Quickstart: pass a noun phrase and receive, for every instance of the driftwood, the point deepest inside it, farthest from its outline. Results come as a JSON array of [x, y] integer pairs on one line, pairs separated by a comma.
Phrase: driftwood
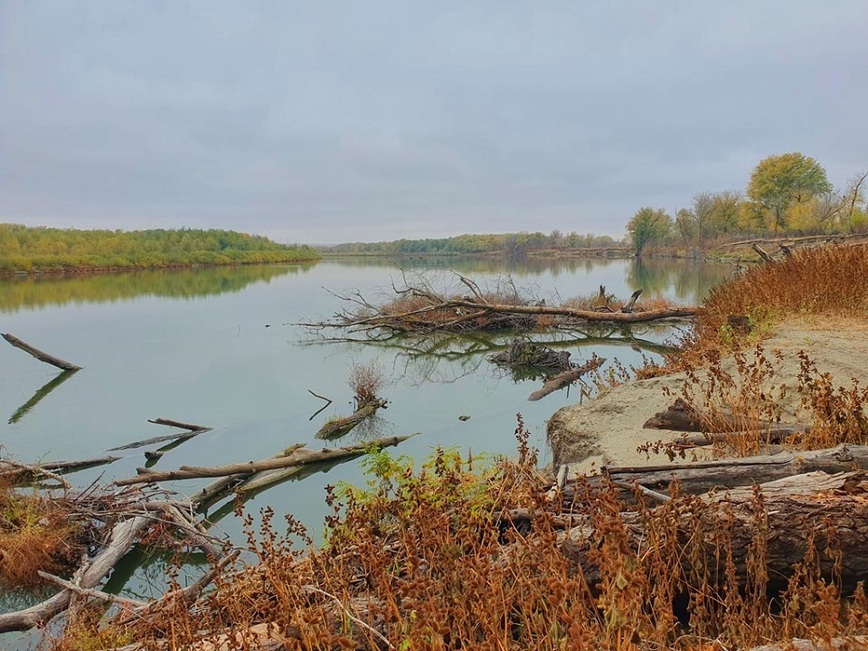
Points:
[[796, 512], [12, 471], [628, 307], [219, 488], [762, 252], [41, 356], [177, 423], [566, 378], [338, 427], [122, 538], [681, 417], [417, 308], [192, 430], [298, 457], [724, 474]]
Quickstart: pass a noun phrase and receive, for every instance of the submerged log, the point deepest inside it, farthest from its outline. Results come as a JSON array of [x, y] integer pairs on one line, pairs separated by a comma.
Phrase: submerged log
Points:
[[787, 516], [340, 426], [298, 457], [566, 378], [41, 356], [10, 471]]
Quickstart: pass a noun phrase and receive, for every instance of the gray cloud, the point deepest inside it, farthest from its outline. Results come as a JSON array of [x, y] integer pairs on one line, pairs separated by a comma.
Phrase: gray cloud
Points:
[[333, 121]]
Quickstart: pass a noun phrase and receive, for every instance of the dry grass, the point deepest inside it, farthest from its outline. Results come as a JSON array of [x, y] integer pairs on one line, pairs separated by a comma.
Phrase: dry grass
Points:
[[366, 381], [36, 533]]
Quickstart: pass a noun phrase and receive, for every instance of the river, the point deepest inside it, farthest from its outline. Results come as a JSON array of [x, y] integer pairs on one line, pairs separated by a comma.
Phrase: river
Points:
[[217, 347]]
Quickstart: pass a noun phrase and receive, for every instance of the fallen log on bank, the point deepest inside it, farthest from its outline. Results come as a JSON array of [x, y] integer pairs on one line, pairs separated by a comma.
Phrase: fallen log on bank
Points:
[[41, 356], [298, 457], [681, 417], [725, 474], [784, 518], [566, 378]]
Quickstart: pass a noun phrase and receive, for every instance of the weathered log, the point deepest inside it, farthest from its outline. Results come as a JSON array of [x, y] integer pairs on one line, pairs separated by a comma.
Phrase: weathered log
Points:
[[723, 474], [11, 471], [219, 488], [340, 426], [298, 457], [566, 378], [682, 417], [177, 423], [762, 253], [122, 538], [192, 430], [41, 356], [828, 511], [628, 307]]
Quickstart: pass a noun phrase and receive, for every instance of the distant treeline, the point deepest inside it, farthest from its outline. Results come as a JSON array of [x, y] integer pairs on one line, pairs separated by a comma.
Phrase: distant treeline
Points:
[[503, 243], [24, 248], [787, 195]]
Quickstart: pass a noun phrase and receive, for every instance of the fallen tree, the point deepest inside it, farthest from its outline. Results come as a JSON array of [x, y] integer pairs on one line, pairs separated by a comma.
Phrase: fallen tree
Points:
[[417, 307], [338, 427], [298, 457]]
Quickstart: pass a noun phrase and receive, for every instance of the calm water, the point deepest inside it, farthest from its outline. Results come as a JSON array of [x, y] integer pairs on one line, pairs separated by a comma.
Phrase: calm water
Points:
[[215, 347]]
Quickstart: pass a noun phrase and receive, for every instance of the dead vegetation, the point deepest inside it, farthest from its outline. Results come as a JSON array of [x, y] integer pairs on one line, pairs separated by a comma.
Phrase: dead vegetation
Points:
[[827, 281], [458, 556]]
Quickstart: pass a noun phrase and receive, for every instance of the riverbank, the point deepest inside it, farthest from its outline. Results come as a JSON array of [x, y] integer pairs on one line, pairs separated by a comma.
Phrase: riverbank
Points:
[[608, 430], [25, 249]]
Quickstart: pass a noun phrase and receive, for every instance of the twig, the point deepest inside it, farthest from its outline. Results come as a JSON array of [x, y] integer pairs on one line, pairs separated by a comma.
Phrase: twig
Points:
[[91, 592], [37, 470], [380, 636], [320, 410]]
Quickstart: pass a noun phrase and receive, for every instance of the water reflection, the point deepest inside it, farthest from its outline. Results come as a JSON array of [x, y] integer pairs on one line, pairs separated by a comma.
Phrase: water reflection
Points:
[[689, 280], [35, 291], [41, 392], [448, 357]]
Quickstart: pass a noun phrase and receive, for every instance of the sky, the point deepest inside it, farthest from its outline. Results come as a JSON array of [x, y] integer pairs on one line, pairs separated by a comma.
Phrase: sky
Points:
[[325, 122]]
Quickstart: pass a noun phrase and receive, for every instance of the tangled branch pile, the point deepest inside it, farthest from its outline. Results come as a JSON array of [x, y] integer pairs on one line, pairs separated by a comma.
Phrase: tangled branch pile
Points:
[[418, 308]]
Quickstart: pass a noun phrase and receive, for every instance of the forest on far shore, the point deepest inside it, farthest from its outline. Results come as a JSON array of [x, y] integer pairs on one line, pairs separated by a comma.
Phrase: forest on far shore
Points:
[[787, 195], [27, 248]]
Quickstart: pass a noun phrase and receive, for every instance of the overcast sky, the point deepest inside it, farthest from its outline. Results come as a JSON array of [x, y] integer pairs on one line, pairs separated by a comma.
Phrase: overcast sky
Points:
[[326, 122]]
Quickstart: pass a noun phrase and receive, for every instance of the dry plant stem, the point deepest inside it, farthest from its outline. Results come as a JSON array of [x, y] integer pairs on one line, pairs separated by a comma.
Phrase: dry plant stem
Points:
[[122, 538], [41, 356], [346, 611]]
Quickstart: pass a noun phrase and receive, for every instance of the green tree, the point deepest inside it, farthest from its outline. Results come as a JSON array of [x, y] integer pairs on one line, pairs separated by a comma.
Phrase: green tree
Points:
[[780, 182], [648, 226]]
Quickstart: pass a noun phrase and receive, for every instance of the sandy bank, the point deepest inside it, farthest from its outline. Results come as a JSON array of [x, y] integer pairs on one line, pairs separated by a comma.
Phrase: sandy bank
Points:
[[608, 429]]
